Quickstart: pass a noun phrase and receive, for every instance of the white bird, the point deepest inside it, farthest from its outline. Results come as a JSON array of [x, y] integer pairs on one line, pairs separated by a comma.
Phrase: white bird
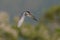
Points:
[[26, 13]]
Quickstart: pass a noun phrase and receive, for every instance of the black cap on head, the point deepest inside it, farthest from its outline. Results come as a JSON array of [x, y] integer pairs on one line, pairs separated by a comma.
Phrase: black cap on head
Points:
[[28, 11]]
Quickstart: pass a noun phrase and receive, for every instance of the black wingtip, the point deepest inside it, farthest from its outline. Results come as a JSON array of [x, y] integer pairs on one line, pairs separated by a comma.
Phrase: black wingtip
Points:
[[35, 19]]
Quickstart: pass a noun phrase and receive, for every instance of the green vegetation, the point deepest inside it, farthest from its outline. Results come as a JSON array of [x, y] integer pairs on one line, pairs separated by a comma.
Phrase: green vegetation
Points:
[[48, 27]]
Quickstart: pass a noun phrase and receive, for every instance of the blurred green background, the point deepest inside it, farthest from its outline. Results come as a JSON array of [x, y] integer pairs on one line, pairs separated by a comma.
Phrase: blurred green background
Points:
[[46, 28]]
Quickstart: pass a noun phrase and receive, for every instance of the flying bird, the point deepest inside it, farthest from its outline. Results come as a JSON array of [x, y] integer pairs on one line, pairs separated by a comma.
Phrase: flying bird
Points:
[[21, 20]]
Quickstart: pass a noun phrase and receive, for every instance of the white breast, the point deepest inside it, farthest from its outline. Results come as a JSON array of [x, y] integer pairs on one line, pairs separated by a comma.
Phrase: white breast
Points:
[[21, 21]]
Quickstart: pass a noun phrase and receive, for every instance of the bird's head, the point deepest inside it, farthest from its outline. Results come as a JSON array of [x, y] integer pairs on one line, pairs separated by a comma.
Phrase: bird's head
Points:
[[28, 13]]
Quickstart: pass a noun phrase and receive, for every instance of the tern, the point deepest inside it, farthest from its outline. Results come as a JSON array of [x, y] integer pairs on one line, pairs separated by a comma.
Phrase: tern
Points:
[[25, 13]]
